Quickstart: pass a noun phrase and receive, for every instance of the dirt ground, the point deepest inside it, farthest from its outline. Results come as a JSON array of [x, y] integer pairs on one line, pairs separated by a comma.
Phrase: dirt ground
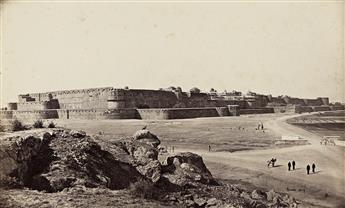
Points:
[[325, 188]]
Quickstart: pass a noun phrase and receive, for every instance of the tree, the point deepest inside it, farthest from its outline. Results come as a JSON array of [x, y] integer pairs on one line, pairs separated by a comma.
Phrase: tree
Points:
[[213, 90], [194, 90], [178, 89]]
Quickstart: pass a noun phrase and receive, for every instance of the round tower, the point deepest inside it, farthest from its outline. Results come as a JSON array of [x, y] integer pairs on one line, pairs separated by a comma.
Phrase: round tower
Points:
[[116, 99]]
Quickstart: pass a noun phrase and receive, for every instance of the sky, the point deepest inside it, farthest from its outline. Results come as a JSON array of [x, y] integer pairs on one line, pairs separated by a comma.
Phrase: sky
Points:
[[282, 48]]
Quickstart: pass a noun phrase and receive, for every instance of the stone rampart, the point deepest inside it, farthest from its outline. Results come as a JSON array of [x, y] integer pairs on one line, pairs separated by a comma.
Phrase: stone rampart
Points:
[[6, 114], [321, 108], [256, 111], [35, 114], [303, 109], [177, 113], [38, 105], [337, 108], [223, 111], [98, 114]]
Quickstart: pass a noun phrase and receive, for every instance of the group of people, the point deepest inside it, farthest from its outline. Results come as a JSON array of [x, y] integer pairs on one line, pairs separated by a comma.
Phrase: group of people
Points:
[[293, 163], [313, 167], [293, 166], [260, 126], [326, 141]]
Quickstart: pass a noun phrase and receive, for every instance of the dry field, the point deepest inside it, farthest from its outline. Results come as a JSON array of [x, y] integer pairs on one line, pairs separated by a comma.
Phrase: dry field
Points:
[[223, 134]]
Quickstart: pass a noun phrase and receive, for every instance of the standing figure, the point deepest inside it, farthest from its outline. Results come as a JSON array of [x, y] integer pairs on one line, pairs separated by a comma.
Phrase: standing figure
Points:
[[209, 148], [293, 165], [173, 149], [262, 126], [289, 166], [313, 166], [273, 161], [308, 169]]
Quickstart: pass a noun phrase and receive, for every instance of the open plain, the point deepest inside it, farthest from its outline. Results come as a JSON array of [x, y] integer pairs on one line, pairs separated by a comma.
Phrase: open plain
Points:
[[239, 152]]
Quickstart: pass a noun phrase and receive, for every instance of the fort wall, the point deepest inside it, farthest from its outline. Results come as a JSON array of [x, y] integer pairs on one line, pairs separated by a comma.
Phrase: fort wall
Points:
[[337, 107], [321, 108], [177, 113], [256, 111], [38, 105], [303, 109], [6, 114], [98, 114]]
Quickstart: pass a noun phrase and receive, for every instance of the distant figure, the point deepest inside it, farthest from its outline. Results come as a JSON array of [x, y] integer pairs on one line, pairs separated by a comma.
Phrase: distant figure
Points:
[[144, 127], [173, 149], [209, 148], [271, 162], [262, 126], [289, 166], [293, 165], [313, 166], [308, 169]]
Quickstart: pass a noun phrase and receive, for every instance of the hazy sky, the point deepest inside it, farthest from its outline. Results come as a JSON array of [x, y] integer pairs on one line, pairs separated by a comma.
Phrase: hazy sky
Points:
[[278, 48]]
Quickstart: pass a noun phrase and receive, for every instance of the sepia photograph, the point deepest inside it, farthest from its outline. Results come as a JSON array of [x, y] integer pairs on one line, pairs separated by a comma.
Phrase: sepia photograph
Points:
[[172, 103]]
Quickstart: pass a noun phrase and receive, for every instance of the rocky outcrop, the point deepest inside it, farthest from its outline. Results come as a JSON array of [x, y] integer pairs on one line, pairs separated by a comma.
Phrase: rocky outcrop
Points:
[[186, 168], [64, 159]]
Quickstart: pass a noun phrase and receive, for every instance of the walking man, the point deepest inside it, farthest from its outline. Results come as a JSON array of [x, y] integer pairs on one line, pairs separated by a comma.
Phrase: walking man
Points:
[[289, 166], [209, 148], [308, 169], [313, 166], [293, 165]]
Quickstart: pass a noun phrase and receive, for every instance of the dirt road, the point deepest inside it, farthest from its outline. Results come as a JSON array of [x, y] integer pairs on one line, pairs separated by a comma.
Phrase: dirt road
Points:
[[325, 188]]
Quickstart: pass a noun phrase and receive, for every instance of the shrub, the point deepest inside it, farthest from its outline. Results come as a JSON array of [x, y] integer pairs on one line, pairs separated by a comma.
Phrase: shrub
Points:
[[144, 189], [51, 125], [2, 128], [17, 125], [38, 124]]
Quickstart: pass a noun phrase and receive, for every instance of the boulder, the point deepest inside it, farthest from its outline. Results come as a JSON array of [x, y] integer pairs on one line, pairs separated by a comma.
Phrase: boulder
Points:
[[200, 202], [212, 202], [146, 137], [77, 134], [270, 195], [257, 194], [186, 168], [142, 156]]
